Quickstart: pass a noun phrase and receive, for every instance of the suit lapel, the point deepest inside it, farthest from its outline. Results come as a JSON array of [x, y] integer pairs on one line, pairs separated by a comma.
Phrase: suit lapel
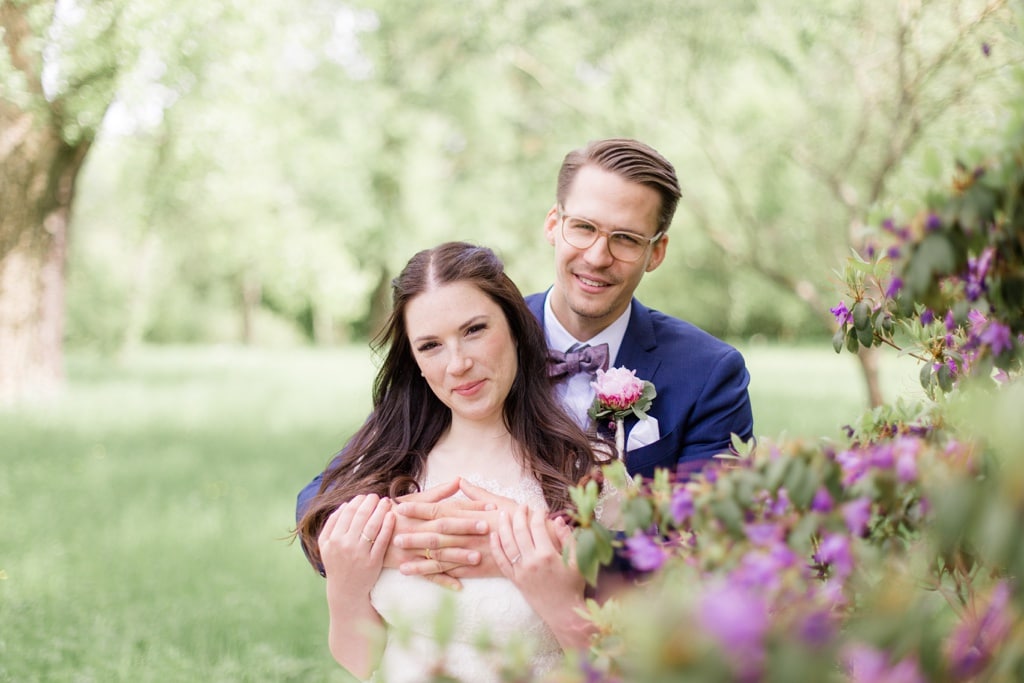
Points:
[[639, 345]]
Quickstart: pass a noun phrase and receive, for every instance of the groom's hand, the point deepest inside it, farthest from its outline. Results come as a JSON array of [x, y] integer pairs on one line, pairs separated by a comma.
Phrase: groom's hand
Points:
[[435, 533], [449, 537]]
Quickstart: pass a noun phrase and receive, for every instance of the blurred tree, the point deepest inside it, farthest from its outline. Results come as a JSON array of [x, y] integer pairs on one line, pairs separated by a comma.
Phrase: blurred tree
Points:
[[810, 119], [279, 162], [58, 73]]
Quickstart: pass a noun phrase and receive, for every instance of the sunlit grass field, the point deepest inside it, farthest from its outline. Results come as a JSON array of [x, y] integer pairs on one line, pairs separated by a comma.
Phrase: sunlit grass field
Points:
[[143, 517]]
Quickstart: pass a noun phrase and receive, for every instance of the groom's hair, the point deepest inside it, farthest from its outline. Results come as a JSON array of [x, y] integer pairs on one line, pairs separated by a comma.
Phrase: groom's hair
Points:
[[631, 160], [387, 455]]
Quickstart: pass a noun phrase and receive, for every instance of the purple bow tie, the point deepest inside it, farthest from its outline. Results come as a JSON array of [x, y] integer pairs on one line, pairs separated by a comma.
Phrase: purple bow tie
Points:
[[583, 359]]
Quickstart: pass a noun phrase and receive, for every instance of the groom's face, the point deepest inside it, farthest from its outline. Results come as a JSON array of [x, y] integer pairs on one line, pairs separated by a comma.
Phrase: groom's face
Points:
[[592, 288]]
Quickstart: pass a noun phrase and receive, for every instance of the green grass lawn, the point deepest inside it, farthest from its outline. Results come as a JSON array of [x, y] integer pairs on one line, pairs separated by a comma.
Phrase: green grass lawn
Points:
[[142, 516]]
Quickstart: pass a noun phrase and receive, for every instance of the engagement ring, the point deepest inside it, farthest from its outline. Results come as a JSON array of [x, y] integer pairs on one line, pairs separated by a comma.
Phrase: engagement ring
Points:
[[368, 540], [427, 554], [517, 558]]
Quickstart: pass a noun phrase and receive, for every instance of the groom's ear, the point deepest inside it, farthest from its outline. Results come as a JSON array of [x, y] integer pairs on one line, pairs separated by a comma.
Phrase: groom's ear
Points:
[[551, 224], [657, 254]]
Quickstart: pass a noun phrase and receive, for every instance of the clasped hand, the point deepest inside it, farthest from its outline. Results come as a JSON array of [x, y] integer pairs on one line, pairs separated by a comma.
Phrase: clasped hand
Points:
[[444, 539]]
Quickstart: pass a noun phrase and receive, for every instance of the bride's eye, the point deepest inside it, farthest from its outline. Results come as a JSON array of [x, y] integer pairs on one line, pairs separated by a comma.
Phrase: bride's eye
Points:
[[479, 327], [426, 346]]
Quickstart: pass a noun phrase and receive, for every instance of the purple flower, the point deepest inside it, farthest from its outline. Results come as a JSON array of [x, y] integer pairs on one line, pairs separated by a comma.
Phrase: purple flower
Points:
[[888, 225], [996, 336], [842, 314], [644, 554], [949, 321], [761, 571], [973, 290], [834, 552], [817, 628], [822, 501], [894, 287], [780, 505], [857, 514], [880, 456], [976, 639], [681, 506], [852, 464], [893, 252], [906, 459], [986, 49], [830, 592], [738, 619], [933, 222], [870, 250], [927, 317], [593, 674], [764, 534], [869, 665]]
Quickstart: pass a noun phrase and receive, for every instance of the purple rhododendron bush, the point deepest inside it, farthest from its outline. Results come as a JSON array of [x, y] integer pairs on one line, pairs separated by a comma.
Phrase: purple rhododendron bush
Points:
[[897, 555]]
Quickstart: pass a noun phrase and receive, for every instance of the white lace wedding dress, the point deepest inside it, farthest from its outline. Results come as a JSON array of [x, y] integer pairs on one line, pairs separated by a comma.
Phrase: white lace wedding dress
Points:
[[488, 619]]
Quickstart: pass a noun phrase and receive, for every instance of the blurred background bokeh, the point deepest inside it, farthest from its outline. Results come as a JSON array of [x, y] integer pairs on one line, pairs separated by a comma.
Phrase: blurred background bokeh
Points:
[[202, 203]]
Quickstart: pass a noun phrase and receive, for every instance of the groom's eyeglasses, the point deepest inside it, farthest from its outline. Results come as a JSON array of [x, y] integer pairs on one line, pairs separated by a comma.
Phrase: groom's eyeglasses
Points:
[[622, 244]]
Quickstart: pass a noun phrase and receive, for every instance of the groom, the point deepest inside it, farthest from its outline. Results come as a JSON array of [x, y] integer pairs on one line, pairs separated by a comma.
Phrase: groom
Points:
[[609, 225]]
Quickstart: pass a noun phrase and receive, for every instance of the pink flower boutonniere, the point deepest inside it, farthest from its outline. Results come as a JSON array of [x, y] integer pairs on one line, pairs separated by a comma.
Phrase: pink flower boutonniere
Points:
[[620, 393]]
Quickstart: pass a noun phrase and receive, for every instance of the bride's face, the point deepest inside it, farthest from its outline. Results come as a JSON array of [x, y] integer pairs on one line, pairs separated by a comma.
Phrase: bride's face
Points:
[[462, 343]]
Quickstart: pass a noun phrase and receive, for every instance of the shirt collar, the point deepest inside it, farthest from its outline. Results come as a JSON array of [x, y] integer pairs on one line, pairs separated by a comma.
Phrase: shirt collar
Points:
[[559, 338]]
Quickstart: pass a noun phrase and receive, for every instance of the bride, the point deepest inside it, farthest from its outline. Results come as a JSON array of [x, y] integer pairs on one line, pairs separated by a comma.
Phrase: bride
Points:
[[461, 402]]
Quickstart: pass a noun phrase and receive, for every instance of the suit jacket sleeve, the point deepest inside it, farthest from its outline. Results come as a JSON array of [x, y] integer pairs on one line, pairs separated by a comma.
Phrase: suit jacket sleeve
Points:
[[306, 496]]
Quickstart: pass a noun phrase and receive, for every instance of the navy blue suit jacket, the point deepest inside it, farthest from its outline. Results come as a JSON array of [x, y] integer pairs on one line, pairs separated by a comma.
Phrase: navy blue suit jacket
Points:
[[702, 392], [701, 383]]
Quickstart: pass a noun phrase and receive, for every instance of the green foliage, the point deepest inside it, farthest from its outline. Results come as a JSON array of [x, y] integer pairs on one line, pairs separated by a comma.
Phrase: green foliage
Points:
[[146, 517], [949, 285], [312, 148], [148, 510], [894, 554]]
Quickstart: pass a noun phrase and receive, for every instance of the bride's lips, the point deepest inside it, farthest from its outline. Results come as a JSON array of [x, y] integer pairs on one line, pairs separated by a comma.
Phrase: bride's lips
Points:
[[469, 388]]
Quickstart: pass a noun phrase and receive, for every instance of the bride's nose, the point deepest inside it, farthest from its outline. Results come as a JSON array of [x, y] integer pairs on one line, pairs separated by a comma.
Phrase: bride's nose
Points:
[[459, 362]]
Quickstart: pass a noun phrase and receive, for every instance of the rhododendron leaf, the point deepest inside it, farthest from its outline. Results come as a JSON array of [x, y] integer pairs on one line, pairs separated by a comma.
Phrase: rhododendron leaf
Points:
[[861, 315], [444, 621], [800, 484], [926, 376], [865, 335], [586, 555], [730, 514], [584, 498], [605, 544], [944, 377], [933, 256], [637, 513], [838, 338], [851, 340], [777, 470]]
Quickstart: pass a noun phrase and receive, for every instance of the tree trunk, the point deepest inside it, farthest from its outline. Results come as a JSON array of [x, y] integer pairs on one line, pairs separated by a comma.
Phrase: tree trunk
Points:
[[251, 295], [36, 190], [869, 368]]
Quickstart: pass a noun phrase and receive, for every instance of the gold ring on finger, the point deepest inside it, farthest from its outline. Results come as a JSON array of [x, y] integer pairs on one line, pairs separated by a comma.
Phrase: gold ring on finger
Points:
[[428, 555], [364, 537]]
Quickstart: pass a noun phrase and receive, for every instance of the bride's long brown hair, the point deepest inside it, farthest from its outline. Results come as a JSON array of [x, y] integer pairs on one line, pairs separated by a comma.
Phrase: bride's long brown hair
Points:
[[387, 454]]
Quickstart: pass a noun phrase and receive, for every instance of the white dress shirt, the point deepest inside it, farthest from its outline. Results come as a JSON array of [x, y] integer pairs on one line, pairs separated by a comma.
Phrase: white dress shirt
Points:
[[575, 392]]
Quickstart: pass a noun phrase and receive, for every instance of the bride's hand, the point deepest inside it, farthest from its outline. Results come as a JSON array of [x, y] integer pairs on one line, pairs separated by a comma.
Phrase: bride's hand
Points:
[[528, 549], [353, 543]]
